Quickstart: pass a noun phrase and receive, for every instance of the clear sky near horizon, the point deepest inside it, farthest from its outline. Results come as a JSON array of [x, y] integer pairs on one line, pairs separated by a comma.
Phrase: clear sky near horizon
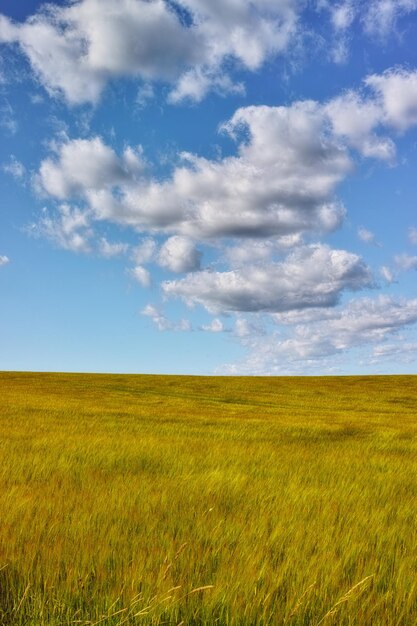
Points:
[[208, 186]]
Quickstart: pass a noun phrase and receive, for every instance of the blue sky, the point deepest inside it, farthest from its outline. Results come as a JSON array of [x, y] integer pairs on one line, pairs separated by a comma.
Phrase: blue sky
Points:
[[208, 187]]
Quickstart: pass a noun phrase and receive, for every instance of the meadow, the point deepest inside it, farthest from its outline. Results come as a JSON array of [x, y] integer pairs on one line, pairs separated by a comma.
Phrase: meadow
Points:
[[207, 501]]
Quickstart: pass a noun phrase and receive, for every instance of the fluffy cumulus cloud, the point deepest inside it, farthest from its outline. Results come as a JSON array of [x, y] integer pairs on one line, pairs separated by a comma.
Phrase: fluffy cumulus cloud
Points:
[[86, 165], [397, 95], [355, 118], [311, 276], [279, 184], [179, 254], [4, 260], [309, 337], [74, 49], [77, 47]]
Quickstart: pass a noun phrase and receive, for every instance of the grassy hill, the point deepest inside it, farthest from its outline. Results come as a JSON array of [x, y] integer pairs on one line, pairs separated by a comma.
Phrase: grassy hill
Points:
[[192, 500]]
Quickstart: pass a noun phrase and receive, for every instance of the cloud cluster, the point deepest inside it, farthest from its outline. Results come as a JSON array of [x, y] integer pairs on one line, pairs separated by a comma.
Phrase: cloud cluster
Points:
[[280, 184], [76, 48], [262, 202], [315, 335], [311, 276]]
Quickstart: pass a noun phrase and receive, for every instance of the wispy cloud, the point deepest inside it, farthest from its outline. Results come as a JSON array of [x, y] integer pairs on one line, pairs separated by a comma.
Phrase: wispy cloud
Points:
[[162, 323], [15, 168], [304, 340]]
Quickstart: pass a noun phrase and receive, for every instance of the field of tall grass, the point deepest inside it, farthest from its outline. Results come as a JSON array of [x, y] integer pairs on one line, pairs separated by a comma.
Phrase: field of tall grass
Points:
[[217, 501]]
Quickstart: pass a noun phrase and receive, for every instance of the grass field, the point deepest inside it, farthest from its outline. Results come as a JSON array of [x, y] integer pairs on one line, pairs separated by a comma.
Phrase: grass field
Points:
[[180, 500]]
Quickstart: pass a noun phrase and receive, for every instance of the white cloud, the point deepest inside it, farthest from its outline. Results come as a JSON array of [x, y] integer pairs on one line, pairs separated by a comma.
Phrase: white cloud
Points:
[[216, 326], [392, 102], [250, 251], [75, 49], [15, 168], [339, 52], [400, 351], [355, 119], [4, 260], [396, 91], [245, 328], [378, 18], [141, 275], [85, 165], [406, 262], [241, 252], [162, 322], [366, 235], [179, 254], [387, 274], [381, 16], [7, 116], [276, 191], [412, 235], [111, 249], [281, 183], [359, 324], [196, 83], [311, 276], [342, 15], [145, 251], [144, 95], [68, 229]]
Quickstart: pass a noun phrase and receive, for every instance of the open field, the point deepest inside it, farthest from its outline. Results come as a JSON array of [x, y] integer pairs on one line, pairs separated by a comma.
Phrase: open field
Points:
[[180, 500]]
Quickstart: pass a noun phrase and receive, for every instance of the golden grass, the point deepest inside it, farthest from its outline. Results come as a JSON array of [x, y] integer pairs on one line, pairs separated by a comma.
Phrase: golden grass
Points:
[[229, 501]]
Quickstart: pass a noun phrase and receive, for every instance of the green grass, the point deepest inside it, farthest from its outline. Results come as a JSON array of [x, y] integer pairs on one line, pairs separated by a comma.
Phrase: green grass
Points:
[[287, 500]]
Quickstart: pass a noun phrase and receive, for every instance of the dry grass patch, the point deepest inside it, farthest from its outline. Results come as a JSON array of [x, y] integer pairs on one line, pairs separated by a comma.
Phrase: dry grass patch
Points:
[[229, 501]]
